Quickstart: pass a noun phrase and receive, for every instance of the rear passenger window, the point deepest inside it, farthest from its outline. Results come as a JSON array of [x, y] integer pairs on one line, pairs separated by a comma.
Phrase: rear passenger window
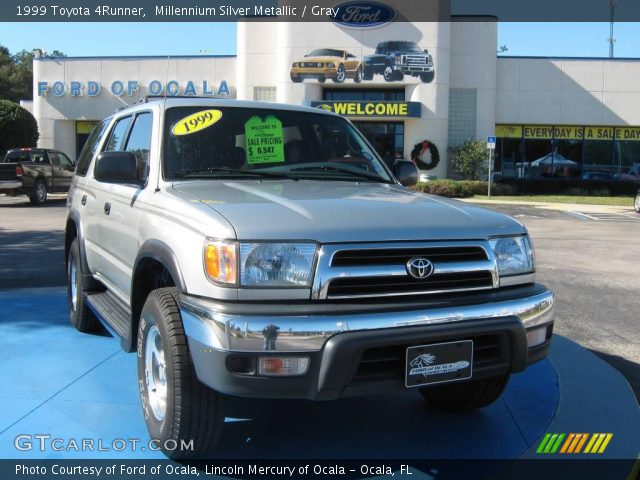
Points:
[[118, 134], [139, 142], [90, 148]]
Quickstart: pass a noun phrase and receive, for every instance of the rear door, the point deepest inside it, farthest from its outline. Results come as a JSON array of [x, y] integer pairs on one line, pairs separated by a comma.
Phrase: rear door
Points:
[[59, 182]]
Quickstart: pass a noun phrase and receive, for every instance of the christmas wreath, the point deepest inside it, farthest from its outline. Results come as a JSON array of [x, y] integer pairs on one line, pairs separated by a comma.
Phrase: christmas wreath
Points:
[[425, 155]]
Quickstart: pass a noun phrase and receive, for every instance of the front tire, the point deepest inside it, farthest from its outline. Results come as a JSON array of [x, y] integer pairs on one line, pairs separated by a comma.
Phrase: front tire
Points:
[[388, 73], [636, 203], [367, 74], [177, 408], [427, 77], [465, 396], [341, 74], [81, 317], [39, 195]]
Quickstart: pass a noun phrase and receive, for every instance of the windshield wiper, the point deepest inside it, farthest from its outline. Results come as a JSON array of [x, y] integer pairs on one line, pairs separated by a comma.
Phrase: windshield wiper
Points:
[[335, 168], [213, 171]]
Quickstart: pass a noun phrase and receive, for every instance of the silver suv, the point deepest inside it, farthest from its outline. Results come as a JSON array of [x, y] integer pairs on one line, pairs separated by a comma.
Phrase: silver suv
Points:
[[259, 250]]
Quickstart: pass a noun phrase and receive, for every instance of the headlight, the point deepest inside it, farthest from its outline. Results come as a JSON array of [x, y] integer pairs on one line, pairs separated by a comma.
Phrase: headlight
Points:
[[514, 255], [331, 65], [276, 264]]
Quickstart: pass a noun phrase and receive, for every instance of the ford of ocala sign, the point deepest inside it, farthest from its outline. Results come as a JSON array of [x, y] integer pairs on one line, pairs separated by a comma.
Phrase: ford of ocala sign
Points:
[[363, 14]]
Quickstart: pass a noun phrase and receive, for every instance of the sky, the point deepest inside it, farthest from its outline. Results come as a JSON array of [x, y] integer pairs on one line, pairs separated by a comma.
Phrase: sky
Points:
[[137, 39]]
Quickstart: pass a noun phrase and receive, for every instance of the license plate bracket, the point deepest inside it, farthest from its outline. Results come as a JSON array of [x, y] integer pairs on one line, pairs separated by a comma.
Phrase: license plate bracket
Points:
[[439, 363]]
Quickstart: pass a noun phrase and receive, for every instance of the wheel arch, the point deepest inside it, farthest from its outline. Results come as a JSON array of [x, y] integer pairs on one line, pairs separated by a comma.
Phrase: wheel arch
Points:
[[156, 266]]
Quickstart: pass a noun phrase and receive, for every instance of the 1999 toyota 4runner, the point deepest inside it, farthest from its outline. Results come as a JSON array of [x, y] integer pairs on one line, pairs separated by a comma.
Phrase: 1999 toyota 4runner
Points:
[[257, 250]]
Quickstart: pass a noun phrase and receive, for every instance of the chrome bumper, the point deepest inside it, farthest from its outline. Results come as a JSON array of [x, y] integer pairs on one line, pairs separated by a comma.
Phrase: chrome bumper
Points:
[[10, 184], [244, 333]]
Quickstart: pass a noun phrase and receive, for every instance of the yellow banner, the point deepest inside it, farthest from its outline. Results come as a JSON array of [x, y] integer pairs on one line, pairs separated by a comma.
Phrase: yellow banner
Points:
[[568, 133], [598, 133], [538, 132], [509, 131], [84, 126], [628, 133]]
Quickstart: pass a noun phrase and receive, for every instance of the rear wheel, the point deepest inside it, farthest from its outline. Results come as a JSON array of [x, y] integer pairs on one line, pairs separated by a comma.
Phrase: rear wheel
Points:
[[465, 396], [39, 194], [636, 203], [81, 317], [178, 409], [357, 78]]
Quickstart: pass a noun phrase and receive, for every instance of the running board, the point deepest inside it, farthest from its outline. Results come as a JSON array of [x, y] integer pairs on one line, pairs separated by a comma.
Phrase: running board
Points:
[[112, 312]]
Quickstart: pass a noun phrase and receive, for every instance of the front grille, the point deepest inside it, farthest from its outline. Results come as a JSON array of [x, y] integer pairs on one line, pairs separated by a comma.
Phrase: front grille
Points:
[[415, 60], [368, 270], [388, 362], [407, 285], [358, 258]]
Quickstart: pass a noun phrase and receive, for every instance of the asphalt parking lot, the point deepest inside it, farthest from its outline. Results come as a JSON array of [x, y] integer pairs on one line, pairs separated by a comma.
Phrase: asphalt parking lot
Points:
[[590, 260]]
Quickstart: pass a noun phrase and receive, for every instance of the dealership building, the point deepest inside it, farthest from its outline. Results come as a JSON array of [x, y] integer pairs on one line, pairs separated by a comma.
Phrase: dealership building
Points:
[[407, 86]]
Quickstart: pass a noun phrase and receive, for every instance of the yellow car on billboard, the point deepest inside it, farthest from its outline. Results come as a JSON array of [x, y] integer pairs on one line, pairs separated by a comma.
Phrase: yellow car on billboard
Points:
[[327, 63]]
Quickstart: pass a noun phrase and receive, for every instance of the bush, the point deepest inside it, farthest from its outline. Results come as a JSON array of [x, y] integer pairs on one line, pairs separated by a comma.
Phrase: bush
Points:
[[463, 188], [470, 160], [18, 128]]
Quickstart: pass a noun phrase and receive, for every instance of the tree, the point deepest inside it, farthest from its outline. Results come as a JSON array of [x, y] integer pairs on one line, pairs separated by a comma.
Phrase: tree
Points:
[[470, 160], [18, 128], [16, 73]]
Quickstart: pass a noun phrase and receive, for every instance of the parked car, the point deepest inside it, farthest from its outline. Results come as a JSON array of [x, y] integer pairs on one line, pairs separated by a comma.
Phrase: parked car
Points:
[[632, 173], [327, 63], [596, 176], [35, 172], [393, 60], [247, 249]]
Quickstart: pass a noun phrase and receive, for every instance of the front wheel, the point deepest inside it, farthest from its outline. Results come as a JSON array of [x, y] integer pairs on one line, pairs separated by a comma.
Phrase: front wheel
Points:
[[636, 203], [184, 416], [465, 396], [81, 317], [39, 194], [340, 75], [427, 77]]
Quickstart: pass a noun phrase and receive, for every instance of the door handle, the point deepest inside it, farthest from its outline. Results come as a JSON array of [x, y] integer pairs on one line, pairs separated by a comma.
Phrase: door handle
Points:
[[107, 208], [83, 200]]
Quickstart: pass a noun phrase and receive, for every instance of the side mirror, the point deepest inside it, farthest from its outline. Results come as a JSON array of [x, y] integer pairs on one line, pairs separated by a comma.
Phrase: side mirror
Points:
[[117, 167], [406, 172]]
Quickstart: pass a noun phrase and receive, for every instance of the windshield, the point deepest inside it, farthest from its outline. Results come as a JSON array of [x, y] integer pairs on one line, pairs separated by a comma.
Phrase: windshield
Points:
[[404, 46], [326, 52], [261, 142]]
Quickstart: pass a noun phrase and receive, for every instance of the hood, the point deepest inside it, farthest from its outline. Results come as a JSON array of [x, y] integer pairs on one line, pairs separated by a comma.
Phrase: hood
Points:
[[331, 211]]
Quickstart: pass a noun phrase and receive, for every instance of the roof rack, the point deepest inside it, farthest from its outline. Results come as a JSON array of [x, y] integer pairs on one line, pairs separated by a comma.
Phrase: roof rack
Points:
[[150, 98]]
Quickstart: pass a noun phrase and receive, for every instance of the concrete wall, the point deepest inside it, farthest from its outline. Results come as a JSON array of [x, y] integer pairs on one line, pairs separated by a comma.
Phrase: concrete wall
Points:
[[473, 66], [568, 91]]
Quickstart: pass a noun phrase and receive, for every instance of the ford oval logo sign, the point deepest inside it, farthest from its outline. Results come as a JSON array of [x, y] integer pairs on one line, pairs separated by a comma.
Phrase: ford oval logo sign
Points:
[[363, 14]]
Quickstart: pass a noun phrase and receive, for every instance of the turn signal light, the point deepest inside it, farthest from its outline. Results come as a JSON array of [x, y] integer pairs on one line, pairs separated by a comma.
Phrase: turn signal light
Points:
[[283, 366], [536, 337], [220, 262]]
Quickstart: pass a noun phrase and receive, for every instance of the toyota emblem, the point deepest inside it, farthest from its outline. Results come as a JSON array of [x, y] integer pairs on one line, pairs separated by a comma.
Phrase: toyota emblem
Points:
[[419, 268]]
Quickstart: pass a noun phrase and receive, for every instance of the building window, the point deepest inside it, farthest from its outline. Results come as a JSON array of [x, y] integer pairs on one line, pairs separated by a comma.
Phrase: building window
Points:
[[386, 137], [264, 94], [462, 115], [364, 95], [568, 151]]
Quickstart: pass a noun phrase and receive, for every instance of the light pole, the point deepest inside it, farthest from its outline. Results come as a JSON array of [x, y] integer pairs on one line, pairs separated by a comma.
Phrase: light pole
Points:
[[612, 10]]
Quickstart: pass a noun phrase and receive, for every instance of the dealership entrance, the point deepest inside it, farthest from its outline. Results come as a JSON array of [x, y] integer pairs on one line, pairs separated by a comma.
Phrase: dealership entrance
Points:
[[386, 137]]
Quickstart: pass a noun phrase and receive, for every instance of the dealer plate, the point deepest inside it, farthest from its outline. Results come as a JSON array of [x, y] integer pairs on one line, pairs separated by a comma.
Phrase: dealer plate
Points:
[[439, 363]]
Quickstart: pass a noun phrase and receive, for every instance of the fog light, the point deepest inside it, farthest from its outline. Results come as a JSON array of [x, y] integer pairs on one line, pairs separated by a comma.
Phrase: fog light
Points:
[[283, 366], [536, 337]]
